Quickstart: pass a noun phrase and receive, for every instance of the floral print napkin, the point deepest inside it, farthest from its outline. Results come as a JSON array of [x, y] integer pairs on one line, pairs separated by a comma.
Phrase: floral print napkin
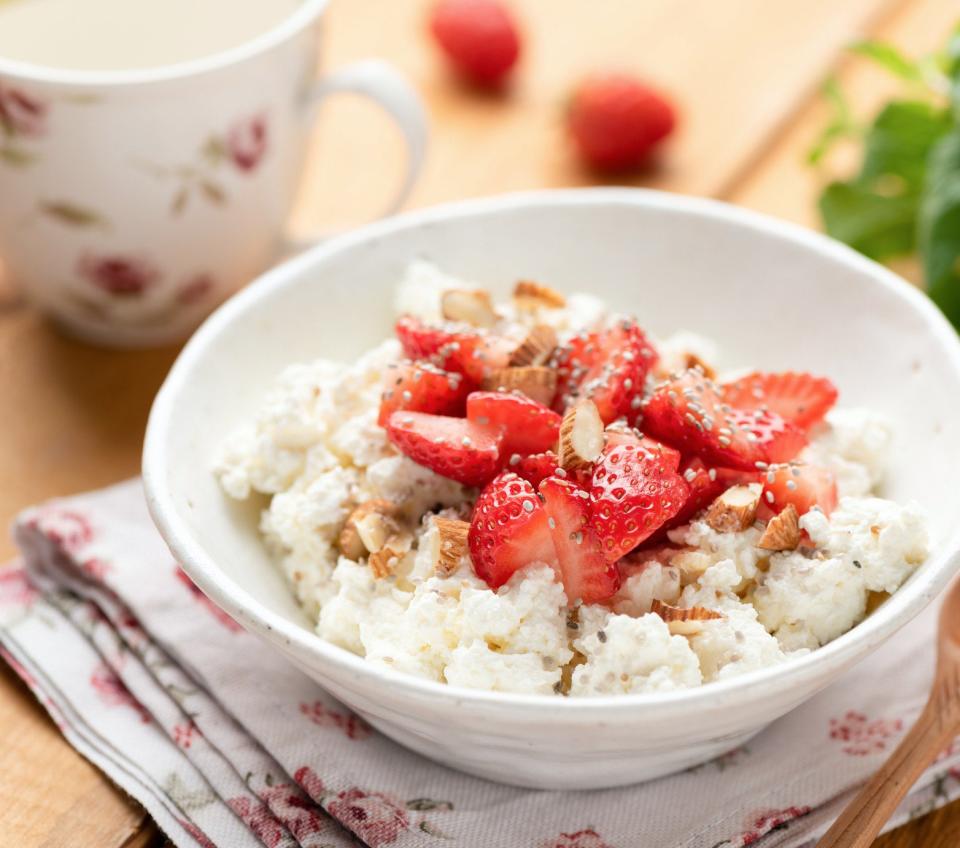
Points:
[[226, 744]]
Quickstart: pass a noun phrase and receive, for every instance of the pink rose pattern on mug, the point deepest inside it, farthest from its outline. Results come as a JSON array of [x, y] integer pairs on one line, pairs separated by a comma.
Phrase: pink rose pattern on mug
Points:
[[128, 277]]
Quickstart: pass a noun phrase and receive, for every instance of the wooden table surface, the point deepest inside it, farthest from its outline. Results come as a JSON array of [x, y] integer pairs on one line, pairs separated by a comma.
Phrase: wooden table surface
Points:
[[746, 74]]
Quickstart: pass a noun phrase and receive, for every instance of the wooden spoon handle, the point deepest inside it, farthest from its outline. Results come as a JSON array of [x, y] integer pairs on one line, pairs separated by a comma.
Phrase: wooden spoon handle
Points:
[[865, 815]]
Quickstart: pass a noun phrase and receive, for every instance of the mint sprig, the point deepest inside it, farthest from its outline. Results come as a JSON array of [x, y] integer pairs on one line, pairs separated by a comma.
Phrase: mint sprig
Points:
[[905, 197]]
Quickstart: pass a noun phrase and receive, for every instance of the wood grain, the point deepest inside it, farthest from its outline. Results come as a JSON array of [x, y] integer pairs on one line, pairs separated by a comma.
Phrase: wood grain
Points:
[[73, 416]]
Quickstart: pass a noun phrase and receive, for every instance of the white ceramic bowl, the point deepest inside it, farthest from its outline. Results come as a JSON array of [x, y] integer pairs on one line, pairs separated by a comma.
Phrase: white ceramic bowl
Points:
[[773, 295]]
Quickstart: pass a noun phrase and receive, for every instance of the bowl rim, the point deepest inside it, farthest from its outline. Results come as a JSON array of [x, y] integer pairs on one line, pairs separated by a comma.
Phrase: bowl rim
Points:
[[809, 670]]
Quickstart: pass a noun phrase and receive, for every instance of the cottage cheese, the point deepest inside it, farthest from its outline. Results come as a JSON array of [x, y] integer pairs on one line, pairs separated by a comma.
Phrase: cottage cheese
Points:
[[315, 451]]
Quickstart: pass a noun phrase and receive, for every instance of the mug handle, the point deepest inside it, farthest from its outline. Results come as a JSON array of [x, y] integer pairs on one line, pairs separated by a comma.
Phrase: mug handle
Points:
[[383, 84]]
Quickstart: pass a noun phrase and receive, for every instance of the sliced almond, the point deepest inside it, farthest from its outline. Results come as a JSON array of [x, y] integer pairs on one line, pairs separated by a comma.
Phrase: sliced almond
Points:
[[782, 532], [735, 509], [684, 621], [536, 382], [472, 306], [530, 295], [581, 436], [536, 348], [351, 544], [453, 544]]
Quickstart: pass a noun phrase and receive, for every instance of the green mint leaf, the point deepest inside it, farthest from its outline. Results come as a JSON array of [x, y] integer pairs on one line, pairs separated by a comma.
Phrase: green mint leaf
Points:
[[890, 58], [841, 124], [879, 226], [939, 226], [898, 143]]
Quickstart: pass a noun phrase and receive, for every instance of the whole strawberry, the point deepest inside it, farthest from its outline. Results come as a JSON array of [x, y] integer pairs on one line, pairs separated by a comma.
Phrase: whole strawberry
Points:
[[479, 37], [617, 121]]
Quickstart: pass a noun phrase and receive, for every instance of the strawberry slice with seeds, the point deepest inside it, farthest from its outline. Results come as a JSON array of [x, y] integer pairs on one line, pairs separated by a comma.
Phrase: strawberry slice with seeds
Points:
[[799, 398], [418, 340], [452, 447], [804, 486], [528, 426], [635, 491], [508, 530], [584, 571], [421, 387], [608, 366], [630, 436], [451, 348], [534, 468], [689, 413]]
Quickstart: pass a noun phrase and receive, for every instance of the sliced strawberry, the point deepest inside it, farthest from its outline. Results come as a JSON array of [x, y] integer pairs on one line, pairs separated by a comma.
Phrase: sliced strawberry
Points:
[[635, 491], [688, 413], [509, 530], [631, 436], [799, 398], [804, 486], [621, 435], [421, 387], [534, 468], [585, 572], [451, 348], [453, 447], [419, 340], [528, 426], [609, 367]]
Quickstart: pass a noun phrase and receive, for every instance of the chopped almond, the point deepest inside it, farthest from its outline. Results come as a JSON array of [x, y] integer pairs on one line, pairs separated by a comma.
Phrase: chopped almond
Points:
[[530, 295], [384, 562], [691, 564], [735, 509], [875, 599], [684, 621], [691, 360], [581, 436], [782, 532], [472, 306], [453, 544], [374, 529], [536, 348], [536, 382], [352, 545]]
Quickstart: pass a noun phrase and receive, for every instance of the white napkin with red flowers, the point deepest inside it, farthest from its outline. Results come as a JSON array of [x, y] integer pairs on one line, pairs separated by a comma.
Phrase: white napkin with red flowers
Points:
[[226, 744]]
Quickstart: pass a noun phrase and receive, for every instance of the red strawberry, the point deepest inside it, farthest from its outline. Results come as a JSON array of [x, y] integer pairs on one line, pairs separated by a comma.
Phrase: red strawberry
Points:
[[804, 486], [584, 570], [688, 413], [422, 388], [528, 426], [453, 447], [419, 340], [534, 468], [509, 530], [617, 121], [801, 399], [609, 367], [467, 352], [479, 37], [630, 436], [634, 491]]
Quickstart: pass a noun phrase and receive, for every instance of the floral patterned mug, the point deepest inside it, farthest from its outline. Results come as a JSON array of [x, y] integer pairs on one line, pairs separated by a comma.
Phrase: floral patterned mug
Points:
[[132, 202]]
